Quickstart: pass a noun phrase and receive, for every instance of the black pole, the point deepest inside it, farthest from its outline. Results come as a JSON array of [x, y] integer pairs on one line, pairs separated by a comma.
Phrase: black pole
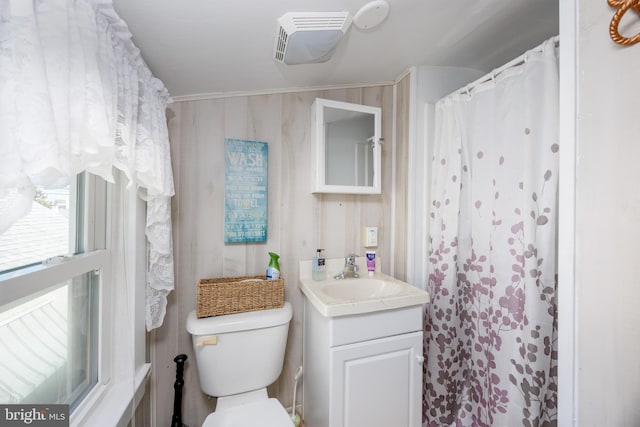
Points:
[[176, 421]]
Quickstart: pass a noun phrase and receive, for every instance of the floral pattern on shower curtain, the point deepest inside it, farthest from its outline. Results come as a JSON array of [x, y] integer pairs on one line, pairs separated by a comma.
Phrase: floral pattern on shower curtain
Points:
[[491, 326]]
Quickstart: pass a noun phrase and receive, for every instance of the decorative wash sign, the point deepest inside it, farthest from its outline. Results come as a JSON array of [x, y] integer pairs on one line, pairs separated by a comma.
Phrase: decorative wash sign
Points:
[[245, 195]]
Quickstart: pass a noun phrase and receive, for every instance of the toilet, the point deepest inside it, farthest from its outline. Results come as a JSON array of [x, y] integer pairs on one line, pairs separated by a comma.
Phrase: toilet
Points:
[[237, 357]]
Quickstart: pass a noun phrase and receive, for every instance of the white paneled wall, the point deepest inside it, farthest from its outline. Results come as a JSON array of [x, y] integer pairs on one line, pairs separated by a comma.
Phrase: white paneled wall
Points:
[[607, 223], [298, 221]]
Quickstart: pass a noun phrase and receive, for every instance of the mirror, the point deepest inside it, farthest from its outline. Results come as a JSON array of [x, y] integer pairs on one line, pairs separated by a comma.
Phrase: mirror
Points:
[[347, 148]]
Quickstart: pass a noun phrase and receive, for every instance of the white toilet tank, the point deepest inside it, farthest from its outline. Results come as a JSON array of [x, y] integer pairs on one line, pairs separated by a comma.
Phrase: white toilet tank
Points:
[[241, 352]]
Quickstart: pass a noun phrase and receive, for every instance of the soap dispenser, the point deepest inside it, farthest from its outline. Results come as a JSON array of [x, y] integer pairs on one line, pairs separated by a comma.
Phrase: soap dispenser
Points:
[[318, 269]]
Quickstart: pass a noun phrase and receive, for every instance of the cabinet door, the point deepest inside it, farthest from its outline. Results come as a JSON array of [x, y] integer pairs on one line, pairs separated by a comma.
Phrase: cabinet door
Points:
[[377, 383]]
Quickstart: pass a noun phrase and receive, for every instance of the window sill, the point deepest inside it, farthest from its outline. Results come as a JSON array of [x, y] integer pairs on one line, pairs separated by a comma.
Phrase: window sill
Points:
[[112, 404]]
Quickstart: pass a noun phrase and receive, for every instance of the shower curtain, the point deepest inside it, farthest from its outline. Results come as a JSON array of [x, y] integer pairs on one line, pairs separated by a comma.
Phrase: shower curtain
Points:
[[491, 326]]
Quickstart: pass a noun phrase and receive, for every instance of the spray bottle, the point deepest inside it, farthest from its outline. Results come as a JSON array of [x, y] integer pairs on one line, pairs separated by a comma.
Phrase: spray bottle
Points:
[[273, 271]]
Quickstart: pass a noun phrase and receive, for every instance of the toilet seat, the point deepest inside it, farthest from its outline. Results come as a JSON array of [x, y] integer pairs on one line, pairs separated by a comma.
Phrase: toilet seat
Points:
[[263, 413]]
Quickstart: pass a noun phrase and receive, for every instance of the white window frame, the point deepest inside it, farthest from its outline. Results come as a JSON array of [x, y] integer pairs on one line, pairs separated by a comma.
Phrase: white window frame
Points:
[[122, 370]]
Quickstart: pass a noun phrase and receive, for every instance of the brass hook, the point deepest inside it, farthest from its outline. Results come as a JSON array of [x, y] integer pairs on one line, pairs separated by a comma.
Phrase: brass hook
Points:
[[623, 6]]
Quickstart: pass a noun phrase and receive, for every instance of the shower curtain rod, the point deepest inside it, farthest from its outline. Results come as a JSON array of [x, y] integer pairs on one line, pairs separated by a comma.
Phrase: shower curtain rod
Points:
[[492, 75]]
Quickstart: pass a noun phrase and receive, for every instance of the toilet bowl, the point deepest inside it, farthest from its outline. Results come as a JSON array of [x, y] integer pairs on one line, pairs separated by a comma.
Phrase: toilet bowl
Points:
[[263, 412], [237, 357]]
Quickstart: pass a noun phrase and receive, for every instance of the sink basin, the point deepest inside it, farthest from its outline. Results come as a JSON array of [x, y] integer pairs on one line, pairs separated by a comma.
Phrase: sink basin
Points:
[[359, 289], [368, 294]]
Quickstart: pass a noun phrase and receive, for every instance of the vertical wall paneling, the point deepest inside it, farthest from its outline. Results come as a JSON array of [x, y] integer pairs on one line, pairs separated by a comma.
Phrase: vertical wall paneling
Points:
[[401, 177], [235, 126], [298, 221]]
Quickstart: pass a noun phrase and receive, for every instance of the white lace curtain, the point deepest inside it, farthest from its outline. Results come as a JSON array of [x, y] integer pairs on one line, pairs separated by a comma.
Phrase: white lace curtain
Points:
[[76, 95]]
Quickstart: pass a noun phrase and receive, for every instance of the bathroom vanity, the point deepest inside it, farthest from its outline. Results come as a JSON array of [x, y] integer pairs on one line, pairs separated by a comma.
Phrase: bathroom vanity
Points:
[[363, 352]]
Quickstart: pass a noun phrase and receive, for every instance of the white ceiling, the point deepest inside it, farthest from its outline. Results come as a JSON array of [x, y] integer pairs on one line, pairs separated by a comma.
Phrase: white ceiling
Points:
[[214, 47]]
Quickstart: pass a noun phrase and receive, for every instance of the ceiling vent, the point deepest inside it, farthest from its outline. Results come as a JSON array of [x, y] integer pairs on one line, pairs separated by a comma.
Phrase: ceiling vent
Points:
[[309, 37]]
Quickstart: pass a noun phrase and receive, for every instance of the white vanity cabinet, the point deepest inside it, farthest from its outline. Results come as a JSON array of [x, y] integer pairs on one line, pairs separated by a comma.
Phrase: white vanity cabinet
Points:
[[363, 370]]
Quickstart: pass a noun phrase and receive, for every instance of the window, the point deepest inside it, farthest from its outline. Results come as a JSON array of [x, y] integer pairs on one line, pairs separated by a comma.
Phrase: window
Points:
[[41, 234], [51, 263]]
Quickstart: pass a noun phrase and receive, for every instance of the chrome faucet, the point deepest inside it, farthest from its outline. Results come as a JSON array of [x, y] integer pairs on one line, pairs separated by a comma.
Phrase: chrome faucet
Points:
[[350, 268]]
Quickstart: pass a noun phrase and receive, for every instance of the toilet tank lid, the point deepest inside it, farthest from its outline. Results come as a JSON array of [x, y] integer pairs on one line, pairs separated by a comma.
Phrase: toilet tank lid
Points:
[[239, 321]]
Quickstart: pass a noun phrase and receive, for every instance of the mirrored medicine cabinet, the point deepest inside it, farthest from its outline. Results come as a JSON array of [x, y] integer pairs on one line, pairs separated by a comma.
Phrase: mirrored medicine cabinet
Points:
[[346, 147]]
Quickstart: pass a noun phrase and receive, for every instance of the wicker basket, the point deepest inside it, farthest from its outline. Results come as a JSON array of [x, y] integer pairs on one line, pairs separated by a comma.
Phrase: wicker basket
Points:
[[238, 294]]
